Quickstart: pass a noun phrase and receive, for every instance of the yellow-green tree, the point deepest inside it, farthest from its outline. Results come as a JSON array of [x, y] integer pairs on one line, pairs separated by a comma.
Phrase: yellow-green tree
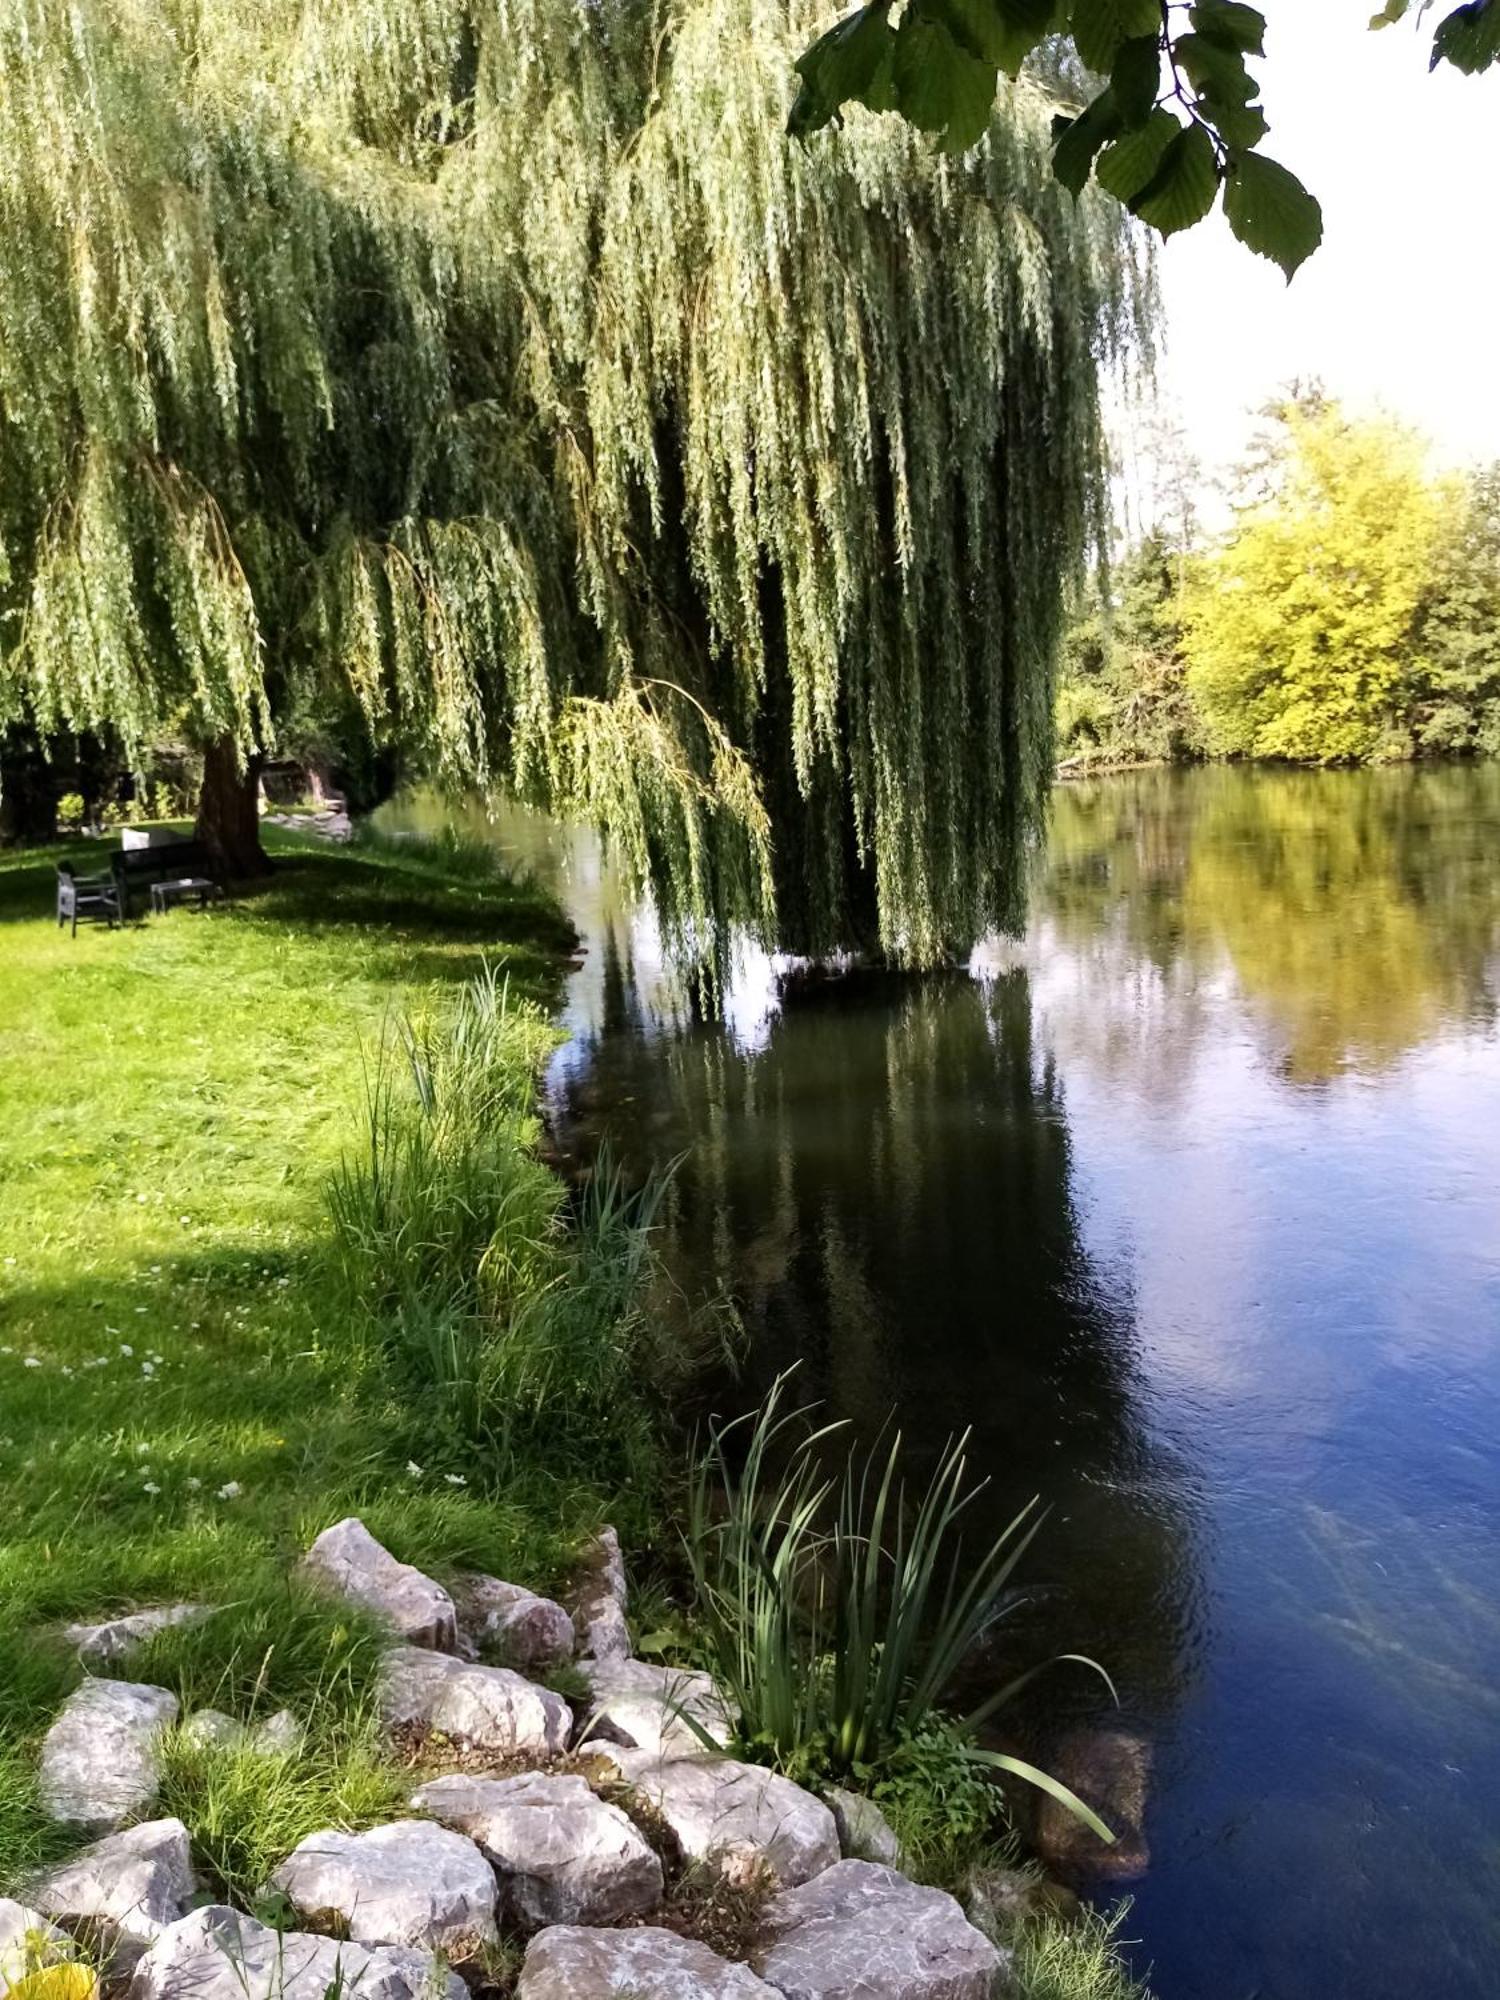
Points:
[[1301, 628]]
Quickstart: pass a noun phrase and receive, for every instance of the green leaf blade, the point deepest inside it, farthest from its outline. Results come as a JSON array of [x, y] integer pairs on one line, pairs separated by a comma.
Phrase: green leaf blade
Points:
[[1185, 185], [1272, 213]]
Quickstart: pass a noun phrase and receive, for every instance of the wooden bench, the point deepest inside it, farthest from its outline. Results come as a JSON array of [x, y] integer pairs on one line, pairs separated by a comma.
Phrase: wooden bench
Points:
[[136, 868]]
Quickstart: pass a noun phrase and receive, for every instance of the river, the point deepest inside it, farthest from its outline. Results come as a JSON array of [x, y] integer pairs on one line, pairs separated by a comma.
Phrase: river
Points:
[[1189, 1204]]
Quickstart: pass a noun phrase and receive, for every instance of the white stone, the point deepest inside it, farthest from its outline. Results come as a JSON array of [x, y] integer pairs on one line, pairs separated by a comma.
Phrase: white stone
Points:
[[27, 1942], [488, 1708], [563, 1856], [511, 1626], [101, 1645], [742, 1819], [865, 1834], [279, 1735], [122, 1892], [348, 1558], [568, 1964], [600, 1596], [408, 1883], [217, 1954], [100, 1757], [861, 1932], [644, 1707]]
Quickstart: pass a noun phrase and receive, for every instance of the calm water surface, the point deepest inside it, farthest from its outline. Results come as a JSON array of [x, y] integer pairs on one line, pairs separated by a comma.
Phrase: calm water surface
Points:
[[1190, 1206]]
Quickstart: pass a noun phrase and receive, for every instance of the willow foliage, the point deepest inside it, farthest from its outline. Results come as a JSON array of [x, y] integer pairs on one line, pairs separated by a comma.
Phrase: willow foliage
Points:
[[503, 361]]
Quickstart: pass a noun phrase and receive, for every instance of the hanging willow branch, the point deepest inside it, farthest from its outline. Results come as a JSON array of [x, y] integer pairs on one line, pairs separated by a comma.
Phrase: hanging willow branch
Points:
[[503, 362]]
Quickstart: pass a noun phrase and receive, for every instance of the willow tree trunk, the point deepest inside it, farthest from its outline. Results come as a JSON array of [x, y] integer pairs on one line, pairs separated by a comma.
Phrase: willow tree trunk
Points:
[[228, 821]]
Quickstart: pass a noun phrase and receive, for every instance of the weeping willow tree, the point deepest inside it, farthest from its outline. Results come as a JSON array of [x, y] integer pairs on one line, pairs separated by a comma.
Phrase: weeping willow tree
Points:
[[502, 366]]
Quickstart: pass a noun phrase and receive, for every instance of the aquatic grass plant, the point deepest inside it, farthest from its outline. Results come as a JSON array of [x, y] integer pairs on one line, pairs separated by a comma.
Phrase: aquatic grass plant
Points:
[[1082, 1959], [837, 1607]]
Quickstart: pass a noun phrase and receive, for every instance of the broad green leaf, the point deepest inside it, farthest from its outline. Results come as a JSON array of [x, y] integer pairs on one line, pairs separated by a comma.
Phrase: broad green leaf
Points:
[[1393, 10], [1469, 38], [940, 86], [1032, 17], [1271, 212], [1216, 71], [845, 63], [1238, 125], [1100, 26], [1184, 186], [1080, 138], [979, 28], [1136, 78], [1231, 24], [1126, 166]]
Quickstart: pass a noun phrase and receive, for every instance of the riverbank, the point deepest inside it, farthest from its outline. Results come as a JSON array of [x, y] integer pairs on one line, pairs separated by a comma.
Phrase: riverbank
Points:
[[194, 1388]]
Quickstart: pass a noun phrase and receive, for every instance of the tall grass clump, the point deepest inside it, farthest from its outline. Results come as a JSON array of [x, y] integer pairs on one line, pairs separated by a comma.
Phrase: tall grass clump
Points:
[[837, 1607], [1081, 1960], [523, 1320]]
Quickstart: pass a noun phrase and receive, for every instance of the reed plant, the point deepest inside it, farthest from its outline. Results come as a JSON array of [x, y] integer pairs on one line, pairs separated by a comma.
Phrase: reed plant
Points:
[[837, 1606]]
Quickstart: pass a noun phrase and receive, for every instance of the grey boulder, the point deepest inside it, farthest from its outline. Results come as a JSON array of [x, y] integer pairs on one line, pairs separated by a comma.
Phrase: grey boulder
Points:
[[28, 1943], [121, 1893], [102, 1645], [488, 1708], [861, 1932], [568, 1964], [217, 1954], [865, 1834], [347, 1558], [100, 1757], [408, 1883], [279, 1735], [562, 1855], [645, 1707], [511, 1626], [599, 1598], [747, 1822]]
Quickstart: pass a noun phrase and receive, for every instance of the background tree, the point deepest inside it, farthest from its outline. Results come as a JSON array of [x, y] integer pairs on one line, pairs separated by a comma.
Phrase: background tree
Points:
[[1122, 694], [1301, 628], [509, 368], [1457, 634]]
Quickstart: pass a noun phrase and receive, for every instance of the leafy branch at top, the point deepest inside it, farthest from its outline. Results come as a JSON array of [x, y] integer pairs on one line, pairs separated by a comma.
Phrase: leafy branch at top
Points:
[[1175, 122]]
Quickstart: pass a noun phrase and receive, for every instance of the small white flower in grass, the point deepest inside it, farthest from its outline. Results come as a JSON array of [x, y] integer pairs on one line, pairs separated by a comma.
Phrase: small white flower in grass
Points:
[[7, 1350], [142, 1449], [193, 1485], [184, 1218], [455, 1479], [66, 1370], [142, 1309], [125, 1348], [155, 1268], [413, 1468], [32, 1362], [149, 1486], [231, 1490], [148, 1368]]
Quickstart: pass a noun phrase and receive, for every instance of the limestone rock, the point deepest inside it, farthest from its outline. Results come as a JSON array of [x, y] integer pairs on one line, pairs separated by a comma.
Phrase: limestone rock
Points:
[[489, 1708], [568, 1964], [279, 1735], [121, 1893], [407, 1883], [101, 1645], [217, 1954], [642, 1707], [562, 1855], [1001, 1900], [599, 1598], [1110, 1770], [745, 1820], [99, 1759], [511, 1626], [865, 1834], [861, 1932], [348, 1558], [27, 1943]]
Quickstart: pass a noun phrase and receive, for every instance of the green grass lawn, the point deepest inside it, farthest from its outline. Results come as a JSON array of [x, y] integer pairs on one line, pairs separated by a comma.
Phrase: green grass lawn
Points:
[[185, 1397]]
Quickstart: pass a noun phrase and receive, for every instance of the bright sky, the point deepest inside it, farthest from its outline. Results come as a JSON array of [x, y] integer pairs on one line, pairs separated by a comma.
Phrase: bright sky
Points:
[[1401, 305]]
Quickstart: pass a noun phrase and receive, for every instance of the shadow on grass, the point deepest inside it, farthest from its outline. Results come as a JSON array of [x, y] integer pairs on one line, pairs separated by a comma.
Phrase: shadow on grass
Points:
[[444, 926]]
